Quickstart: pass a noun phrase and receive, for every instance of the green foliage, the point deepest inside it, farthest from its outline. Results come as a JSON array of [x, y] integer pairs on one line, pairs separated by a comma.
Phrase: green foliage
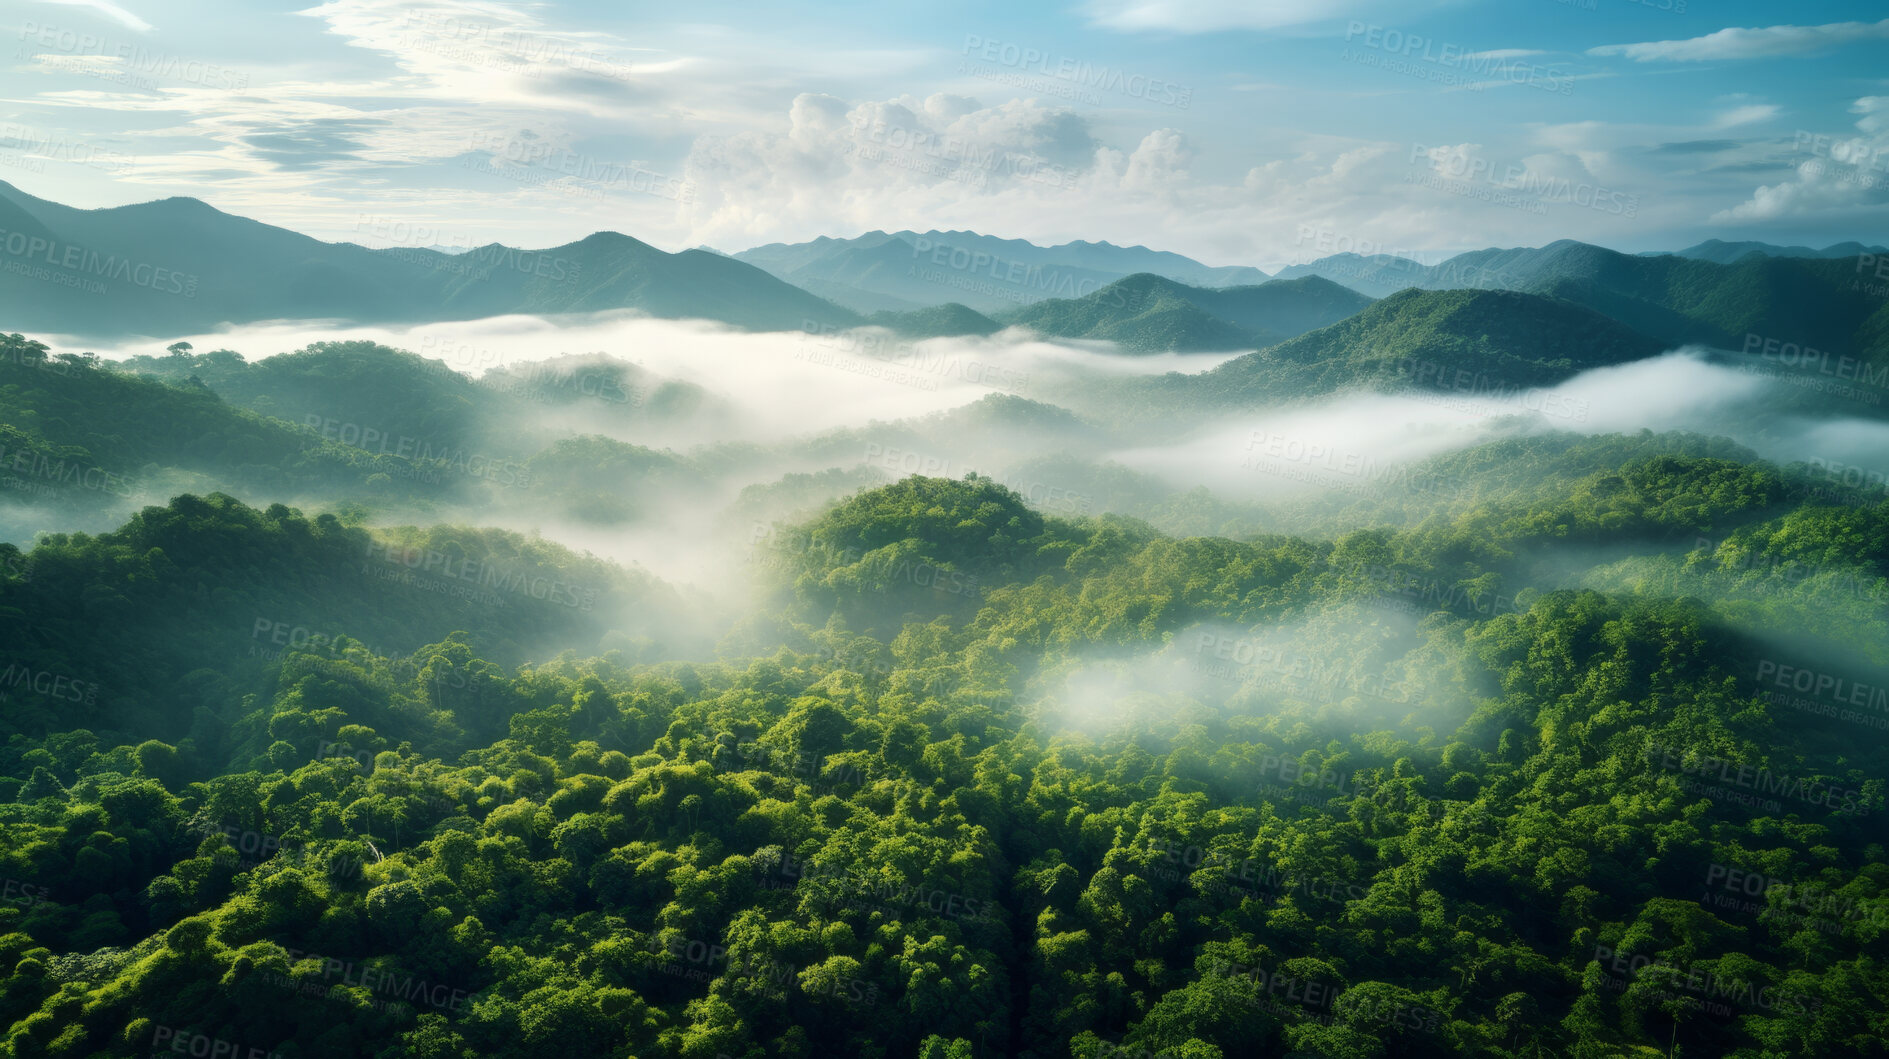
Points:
[[1048, 817]]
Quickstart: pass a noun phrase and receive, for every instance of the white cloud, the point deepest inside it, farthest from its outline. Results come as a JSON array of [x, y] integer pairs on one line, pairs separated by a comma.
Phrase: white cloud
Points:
[[109, 10], [1833, 173], [889, 161], [1737, 43], [1746, 115], [1208, 16], [1159, 164]]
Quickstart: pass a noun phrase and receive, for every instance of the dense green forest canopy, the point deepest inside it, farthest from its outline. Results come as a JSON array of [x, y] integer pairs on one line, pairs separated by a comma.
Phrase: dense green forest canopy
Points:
[[973, 779]]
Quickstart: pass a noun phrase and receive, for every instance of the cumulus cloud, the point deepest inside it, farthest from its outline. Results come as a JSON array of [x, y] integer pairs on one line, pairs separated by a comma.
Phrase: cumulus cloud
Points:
[[1755, 43], [1831, 173], [897, 158]]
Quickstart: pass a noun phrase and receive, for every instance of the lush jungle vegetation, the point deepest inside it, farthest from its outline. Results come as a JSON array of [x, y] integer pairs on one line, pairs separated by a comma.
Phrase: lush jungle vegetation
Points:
[[970, 779]]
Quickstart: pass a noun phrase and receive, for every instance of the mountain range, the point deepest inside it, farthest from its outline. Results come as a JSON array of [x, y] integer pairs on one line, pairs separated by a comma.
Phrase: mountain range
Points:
[[902, 270], [1725, 253], [179, 265], [1150, 313]]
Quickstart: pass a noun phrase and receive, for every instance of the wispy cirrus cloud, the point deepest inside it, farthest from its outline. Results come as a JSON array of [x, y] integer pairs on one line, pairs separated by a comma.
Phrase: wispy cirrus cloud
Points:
[[1208, 16], [1748, 114], [1755, 43], [109, 10]]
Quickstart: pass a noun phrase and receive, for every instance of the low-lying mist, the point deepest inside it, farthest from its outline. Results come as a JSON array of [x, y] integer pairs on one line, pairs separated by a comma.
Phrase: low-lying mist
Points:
[[775, 426]]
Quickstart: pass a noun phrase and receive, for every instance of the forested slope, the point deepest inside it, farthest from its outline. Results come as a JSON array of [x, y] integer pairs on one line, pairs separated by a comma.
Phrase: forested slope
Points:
[[981, 780]]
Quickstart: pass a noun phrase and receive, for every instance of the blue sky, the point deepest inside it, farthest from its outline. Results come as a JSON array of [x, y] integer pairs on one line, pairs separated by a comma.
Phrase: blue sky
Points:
[[1236, 131]]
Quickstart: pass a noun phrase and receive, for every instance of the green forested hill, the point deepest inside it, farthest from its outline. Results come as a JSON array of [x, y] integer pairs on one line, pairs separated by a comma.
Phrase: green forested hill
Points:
[[1484, 345], [81, 437], [1426, 339], [233, 587], [1827, 303], [1383, 795], [1148, 313]]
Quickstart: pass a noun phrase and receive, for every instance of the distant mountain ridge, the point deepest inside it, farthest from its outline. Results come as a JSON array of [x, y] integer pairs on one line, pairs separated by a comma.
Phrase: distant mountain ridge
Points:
[[1727, 253], [898, 270], [179, 265], [1152, 314], [1487, 345], [1828, 304]]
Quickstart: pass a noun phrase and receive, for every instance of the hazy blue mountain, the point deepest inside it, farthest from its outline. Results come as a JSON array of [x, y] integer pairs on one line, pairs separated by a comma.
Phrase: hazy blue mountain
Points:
[[981, 271], [179, 265], [1479, 344], [1819, 303], [1376, 275], [1726, 253], [1822, 302], [936, 321], [1149, 313]]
